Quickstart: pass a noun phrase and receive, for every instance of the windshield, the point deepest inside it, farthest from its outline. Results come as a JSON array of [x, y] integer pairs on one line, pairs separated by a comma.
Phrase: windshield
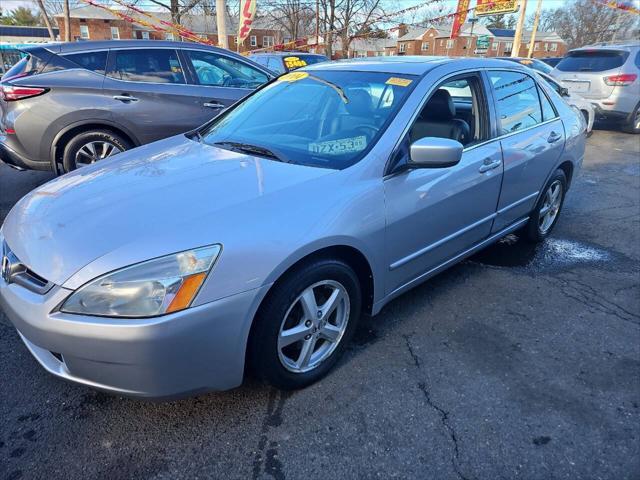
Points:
[[592, 61], [326, 119]]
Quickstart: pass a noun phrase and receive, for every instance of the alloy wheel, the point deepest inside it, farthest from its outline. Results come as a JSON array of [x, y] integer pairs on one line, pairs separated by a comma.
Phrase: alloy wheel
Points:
[[93, 151], [313, 326], [550, 207]]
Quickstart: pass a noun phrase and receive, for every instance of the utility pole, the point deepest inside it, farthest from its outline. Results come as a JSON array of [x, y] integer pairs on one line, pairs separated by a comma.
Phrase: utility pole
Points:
[[472, 21], [221, 23], [534, 30], [517, 38], [67, 21], [45, 17], [317, 26]]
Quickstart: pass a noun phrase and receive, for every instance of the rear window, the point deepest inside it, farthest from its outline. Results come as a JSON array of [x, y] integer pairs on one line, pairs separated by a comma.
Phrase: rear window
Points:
[[592, 61], [25, 67], [94, 61]]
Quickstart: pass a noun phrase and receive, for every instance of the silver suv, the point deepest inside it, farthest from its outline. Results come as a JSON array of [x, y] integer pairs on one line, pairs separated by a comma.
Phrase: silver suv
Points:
[[607, 76], [67, 105]]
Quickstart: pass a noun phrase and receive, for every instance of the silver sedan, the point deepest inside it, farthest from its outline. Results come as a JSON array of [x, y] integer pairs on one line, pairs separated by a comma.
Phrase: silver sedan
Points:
[[261, 238]]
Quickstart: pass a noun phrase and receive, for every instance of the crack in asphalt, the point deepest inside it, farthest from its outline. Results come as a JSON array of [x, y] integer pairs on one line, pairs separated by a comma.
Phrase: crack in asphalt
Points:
[[267, 459], [444, 415]]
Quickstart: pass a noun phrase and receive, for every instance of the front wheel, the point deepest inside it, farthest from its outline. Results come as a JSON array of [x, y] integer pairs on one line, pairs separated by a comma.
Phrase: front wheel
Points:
[[547, 211], [304, 325]]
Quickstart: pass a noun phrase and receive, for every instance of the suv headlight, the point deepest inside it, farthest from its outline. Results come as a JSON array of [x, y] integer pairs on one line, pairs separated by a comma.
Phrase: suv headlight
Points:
[[155, 287]]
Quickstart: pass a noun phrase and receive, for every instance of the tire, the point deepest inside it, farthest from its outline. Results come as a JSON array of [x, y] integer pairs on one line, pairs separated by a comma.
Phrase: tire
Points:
[[283, 365], [89, 147], [633, 124], [539, 225]]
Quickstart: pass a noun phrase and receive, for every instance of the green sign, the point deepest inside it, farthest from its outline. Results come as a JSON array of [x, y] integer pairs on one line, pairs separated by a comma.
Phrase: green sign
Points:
[[482, 43]]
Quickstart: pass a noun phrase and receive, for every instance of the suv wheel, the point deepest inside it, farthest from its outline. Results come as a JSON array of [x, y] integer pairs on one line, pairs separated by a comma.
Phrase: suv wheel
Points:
[[90, 147], [633, 125], [304, 325]]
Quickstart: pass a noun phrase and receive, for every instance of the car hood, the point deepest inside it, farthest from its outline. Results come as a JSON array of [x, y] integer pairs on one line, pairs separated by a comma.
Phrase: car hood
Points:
[[157, 199]]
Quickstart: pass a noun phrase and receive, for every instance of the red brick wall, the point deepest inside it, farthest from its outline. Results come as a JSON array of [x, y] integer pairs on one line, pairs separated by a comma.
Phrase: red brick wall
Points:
[[98, 29]]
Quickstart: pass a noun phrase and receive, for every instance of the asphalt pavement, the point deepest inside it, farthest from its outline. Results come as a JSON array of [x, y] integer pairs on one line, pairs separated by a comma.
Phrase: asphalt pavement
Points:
[[518, 363]]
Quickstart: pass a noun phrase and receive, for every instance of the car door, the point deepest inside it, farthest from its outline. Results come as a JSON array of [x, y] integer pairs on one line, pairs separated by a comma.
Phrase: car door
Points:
[[434, 214], [149, 94], [220, 80], [532, 138]]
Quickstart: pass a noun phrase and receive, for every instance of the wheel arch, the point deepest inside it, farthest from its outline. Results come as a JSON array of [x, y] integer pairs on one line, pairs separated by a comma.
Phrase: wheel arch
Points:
[[66, 134]]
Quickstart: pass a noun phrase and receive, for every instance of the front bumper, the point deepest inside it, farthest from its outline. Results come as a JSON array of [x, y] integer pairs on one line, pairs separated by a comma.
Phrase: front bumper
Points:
[[195, 350]]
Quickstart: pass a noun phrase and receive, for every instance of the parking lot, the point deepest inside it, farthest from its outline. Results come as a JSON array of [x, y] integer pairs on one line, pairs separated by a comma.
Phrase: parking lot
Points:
[[518, 363]]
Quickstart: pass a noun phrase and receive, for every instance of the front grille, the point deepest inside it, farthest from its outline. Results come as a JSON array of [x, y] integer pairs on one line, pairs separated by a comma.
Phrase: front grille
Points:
[[14, 271]]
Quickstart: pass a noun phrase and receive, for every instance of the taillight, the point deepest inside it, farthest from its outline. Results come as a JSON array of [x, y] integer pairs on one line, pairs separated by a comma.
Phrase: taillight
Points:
[[11, 93], [620, 80]]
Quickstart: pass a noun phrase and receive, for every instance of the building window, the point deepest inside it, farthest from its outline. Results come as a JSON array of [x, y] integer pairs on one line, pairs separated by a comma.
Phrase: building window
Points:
[[554, 47], [84, 32], [508, 46], [267, 41], [425, 46], [254, 40], [169, 36], [546, 47], [441, 43], [450, 43], [402, 47], [115, 33], [145, 35], [536, 47], [494, 46]]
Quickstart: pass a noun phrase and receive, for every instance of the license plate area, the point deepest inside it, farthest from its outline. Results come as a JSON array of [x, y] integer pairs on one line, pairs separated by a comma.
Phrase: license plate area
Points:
[[577, 87]]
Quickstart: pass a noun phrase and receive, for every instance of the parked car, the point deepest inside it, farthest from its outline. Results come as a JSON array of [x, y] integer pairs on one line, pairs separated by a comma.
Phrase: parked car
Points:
[[607, 76], [534, 63], [68, 105], [586, 108], [260, 239], [551, 61], [282, 62]]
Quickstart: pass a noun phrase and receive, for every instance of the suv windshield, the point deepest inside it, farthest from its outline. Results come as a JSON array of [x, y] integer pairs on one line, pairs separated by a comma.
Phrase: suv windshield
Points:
[[326, 119], [592, 61]]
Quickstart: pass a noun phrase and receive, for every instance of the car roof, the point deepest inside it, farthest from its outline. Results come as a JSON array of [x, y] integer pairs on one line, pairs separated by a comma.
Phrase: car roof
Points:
[[82, 46], [625, 46], [285, 54], [410, 64]]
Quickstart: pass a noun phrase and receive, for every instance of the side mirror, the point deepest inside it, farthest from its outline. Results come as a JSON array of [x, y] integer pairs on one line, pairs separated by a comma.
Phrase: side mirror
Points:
[[434, 152], [564, 92]]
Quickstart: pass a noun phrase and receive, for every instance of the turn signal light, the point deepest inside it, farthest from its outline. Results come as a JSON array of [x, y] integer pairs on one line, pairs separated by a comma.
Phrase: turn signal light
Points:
[[620, 80], [11, 93]]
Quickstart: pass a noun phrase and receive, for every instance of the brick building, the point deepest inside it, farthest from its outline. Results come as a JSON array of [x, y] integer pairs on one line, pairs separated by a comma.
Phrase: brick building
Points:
[[476, 40], [92, 23]]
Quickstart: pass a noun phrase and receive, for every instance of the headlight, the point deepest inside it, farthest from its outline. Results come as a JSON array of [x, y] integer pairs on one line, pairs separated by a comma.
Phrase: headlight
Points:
[[159, 286]]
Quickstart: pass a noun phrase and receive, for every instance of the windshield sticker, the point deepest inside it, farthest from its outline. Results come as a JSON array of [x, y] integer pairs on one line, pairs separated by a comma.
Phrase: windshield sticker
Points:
[[293, 77], [340, 146], [294, 62], [399, 82]]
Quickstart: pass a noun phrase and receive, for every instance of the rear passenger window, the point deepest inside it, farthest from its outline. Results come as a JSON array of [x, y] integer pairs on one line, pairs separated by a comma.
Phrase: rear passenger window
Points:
[[94, 61], [548, 112], [517, 101], [147, 65]]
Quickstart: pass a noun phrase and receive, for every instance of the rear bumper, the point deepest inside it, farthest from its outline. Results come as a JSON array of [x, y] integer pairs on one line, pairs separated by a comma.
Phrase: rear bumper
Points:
[[198, 349], [10, 156]]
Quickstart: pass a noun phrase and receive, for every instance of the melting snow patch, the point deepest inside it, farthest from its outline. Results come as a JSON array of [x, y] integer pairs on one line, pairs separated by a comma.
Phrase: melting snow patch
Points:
[[566, 250]]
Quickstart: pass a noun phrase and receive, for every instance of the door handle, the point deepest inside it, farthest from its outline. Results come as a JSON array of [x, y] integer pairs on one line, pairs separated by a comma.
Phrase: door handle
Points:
[[553, 137], [489, 165], [125, 98], [213, 105]]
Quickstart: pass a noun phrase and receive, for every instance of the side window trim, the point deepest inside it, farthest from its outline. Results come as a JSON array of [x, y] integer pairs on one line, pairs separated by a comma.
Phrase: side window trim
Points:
[[542, 93], [111, 62]]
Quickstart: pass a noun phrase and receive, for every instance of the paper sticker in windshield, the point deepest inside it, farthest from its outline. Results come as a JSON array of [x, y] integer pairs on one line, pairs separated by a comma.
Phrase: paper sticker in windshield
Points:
[[293, 77], [399, 82], [340, 146], [294, 62]]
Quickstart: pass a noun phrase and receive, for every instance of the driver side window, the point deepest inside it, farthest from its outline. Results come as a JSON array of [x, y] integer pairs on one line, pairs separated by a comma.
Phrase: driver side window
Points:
[[220, 71]]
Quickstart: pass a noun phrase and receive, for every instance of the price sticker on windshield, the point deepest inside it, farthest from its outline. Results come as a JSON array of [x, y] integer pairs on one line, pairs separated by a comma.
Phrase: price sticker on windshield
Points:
[[399, 82], [340, 146], [293, 77], [294, 62]]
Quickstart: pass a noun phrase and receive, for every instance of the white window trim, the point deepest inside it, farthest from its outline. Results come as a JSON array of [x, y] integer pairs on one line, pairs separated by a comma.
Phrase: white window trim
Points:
[[268, 41], [145, 35], [554, 47], [253, 41], [494, 46], [84, 29], [402, 47], [115, 30], [424, 47], [450, 43]]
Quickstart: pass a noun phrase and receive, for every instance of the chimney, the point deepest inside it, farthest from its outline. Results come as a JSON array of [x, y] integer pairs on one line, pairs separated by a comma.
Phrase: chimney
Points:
[[402, 30]]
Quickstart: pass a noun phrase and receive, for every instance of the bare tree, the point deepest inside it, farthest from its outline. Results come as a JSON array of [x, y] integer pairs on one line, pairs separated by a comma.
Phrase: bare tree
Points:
[[295, 17], [45, 19], [582, 22], [177, 8]]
